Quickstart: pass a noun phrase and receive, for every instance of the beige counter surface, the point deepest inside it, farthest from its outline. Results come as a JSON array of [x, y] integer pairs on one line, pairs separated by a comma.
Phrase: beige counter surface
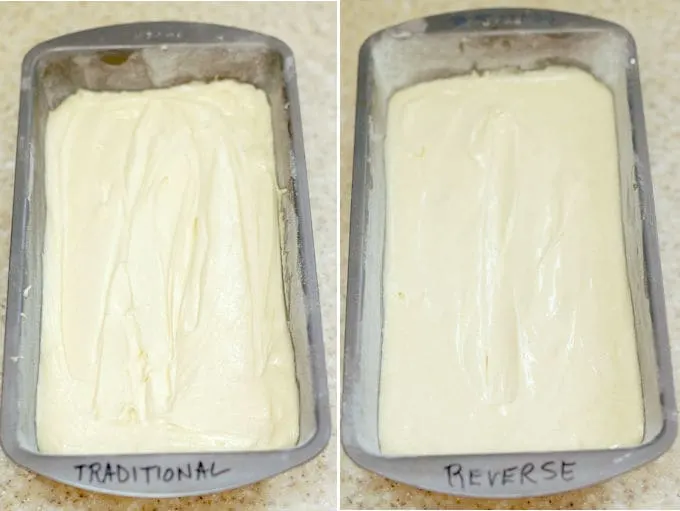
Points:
[[310, 31], [655, 25]]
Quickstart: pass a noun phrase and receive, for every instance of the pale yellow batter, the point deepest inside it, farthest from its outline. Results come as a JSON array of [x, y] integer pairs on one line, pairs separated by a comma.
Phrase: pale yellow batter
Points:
[[163, 324], [508, 316]]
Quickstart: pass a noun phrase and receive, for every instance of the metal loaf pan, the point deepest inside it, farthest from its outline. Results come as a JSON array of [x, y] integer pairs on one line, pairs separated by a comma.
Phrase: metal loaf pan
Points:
[[457, 43], [142, 56]]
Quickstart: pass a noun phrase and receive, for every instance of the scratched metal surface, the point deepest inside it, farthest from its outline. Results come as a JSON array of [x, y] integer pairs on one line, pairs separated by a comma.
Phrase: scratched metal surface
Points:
[[656, 28], [310, 31]]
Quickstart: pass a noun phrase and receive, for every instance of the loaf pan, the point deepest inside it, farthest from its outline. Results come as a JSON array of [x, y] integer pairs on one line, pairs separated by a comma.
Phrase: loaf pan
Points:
[[135, 57], [457, 43]]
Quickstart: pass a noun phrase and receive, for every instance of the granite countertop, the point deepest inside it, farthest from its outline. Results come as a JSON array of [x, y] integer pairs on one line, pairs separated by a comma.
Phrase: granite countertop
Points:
[[310, 30], [655, 24]]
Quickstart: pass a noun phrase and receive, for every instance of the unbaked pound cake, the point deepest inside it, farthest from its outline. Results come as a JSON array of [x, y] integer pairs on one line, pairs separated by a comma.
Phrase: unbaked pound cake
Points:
[[508, 322], [163, 320]]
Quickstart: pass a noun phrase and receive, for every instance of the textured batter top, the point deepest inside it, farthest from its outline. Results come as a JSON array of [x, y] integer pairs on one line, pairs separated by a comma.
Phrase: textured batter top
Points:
[[508, 316], [163, 324]]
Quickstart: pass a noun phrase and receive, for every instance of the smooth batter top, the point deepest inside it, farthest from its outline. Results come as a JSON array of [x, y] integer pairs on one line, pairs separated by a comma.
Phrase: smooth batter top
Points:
[[164, 325], [508, 317]]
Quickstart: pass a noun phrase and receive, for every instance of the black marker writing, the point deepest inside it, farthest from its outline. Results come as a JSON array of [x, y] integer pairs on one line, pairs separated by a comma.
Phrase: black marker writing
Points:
[[527, 469], [475, 475], [462, 477], [182, 474], [147, 472], [115, 473], [508, 475], [548, 467], [567, 472]]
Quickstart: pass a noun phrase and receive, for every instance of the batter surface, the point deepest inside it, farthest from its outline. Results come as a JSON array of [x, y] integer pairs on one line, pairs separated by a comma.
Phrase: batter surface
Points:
[[164, 324], [508, 317]]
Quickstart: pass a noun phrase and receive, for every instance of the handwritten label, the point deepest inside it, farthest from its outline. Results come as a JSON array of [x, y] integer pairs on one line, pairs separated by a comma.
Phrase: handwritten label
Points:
[[462, 477], [115, 473]]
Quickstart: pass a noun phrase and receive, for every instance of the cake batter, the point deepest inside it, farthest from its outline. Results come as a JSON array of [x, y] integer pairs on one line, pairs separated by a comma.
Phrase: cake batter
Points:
[[163, 321], [508, 320]]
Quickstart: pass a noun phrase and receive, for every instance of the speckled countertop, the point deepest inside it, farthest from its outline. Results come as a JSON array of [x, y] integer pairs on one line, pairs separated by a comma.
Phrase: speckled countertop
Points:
[[310, 29], [655, 25]]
